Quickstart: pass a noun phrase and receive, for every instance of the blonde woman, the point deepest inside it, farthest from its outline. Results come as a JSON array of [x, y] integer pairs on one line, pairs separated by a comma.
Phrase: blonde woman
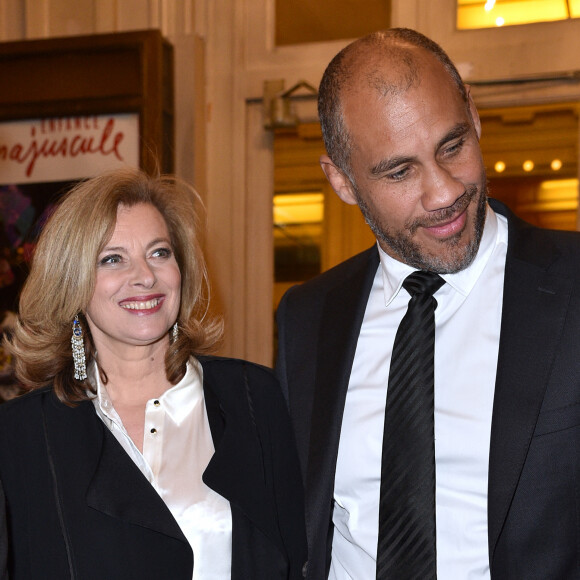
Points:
[[134, 455]]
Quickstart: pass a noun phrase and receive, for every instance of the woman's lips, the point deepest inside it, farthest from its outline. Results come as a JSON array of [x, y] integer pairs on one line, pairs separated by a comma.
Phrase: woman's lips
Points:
[[142, 305]]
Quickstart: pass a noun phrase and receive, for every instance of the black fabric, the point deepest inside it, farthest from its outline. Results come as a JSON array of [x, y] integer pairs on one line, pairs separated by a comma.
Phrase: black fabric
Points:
[[117, 525], [406, 543], [534, 463], [3, 538]]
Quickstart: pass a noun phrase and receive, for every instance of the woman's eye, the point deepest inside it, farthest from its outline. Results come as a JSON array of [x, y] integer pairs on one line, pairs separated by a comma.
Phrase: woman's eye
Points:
[[162, 253], [111, 259]]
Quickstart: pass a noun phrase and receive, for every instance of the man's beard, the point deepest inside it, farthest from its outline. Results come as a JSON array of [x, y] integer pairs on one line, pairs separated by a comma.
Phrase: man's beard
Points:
[[406, 250]]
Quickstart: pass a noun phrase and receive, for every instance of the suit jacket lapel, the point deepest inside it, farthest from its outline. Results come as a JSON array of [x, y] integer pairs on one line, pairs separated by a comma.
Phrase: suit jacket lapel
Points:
[[236, 470], [120, 490], [534, 309], [341, 320], [115, 486]]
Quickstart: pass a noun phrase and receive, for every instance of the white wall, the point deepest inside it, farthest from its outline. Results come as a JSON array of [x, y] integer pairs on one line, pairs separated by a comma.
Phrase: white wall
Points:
[[482, 55], [234, 40]]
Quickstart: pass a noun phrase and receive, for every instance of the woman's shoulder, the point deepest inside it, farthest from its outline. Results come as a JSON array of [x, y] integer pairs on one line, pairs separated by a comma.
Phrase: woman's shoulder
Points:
[[21, 422], [24, 403], [21, 411], [218, 366], [232, 378]]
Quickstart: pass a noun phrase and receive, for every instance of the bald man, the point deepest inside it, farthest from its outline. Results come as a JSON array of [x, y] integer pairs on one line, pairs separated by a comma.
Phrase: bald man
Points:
[[402, 136]]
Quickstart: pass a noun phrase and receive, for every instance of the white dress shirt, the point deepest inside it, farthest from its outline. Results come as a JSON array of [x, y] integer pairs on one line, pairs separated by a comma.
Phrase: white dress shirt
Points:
[[467, 329], [177, 447]]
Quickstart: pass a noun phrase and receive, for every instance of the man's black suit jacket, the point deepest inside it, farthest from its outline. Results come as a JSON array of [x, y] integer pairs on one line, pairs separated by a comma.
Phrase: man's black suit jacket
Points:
[[78, 507], [534, 464]]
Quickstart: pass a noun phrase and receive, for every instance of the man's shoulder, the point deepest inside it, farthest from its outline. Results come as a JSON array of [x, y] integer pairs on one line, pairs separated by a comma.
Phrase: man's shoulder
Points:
[[543, 244], [239, 385], [353, 269]]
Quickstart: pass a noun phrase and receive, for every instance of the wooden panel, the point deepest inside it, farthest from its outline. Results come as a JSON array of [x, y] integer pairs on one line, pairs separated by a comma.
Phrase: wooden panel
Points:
[[98, 74], [296, 159], [520, 194], [345, 231], [539, 133], [73, 75], [297, 169], [299, 21]]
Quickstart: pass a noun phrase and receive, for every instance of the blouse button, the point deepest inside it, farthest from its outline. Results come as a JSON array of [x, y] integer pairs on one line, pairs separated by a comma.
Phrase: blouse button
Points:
[[156, 403], [153, 431]]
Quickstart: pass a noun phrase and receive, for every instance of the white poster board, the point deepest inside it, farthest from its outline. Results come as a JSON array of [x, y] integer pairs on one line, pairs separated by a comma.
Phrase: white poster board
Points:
[[66, 149]]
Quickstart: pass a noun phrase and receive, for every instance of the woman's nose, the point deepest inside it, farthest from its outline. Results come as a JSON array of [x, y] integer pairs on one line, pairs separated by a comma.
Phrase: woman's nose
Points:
[[142, 274]]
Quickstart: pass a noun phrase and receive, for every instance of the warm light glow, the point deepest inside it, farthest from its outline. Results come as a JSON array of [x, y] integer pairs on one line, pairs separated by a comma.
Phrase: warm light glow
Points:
[[499, 166], [480, 14], [556, 164], [528, 165], [562, 188], [303, 208], [554, 195]]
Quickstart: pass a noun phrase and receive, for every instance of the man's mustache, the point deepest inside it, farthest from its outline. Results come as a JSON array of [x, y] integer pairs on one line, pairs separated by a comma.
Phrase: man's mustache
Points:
[[446, 214]]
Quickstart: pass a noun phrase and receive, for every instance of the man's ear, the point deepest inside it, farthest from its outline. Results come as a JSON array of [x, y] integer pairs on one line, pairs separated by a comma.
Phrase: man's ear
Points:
[[338, 180], [473, 112]]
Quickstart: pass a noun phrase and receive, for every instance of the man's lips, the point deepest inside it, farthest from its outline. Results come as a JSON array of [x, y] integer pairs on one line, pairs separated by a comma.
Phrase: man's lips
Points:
[[448, 228], [449, 221]]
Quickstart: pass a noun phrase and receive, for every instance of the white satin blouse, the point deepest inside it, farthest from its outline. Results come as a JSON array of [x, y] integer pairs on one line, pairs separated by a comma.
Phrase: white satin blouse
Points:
[[177, 447]]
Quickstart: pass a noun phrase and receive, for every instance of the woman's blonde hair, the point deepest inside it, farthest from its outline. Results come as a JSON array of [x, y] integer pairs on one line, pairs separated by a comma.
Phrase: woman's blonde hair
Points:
[[62, 278]]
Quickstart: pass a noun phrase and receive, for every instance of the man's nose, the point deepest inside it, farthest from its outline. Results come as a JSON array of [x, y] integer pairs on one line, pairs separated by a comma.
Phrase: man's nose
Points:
[[441, 188]]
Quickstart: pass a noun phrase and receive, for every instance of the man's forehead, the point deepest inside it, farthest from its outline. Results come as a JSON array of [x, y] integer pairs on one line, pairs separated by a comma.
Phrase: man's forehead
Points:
[[429, 109], [394, 71], [380, 80]]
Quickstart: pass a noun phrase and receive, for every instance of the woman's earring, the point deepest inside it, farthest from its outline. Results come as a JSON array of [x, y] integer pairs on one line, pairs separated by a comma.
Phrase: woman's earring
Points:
[[78, 350], [175, 332]]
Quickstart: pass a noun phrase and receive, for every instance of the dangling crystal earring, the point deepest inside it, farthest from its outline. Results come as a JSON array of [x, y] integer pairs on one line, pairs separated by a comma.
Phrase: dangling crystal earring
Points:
[[174, 332], [78, 350]]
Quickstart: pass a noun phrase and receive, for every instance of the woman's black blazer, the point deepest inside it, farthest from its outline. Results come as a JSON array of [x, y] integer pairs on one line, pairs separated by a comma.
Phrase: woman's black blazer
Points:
[[78, 507]]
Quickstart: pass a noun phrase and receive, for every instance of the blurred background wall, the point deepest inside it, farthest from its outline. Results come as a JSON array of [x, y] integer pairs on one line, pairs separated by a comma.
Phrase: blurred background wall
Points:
[[246, 73]]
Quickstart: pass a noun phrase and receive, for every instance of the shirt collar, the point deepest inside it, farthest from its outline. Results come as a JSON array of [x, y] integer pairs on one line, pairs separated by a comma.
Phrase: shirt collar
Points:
[[395, 272], [178, 401]]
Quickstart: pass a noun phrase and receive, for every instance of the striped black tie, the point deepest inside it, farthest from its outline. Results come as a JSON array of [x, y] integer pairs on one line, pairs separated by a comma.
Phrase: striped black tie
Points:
[[406, 548]]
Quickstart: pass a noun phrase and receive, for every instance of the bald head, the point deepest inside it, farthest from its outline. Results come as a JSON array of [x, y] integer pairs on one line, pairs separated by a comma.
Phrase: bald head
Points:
[[388, 62]]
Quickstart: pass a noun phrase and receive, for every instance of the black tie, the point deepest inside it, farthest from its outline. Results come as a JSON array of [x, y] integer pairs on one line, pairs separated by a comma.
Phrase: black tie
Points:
[[406, 548]]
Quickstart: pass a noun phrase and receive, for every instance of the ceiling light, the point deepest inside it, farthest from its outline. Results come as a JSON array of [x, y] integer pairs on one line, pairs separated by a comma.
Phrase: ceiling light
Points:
[[528, 165], [499, 166], [556, 164]]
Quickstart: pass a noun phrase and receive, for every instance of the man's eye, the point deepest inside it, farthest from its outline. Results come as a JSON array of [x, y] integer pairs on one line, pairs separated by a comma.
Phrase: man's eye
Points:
[[399, 174], [454, 147]]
